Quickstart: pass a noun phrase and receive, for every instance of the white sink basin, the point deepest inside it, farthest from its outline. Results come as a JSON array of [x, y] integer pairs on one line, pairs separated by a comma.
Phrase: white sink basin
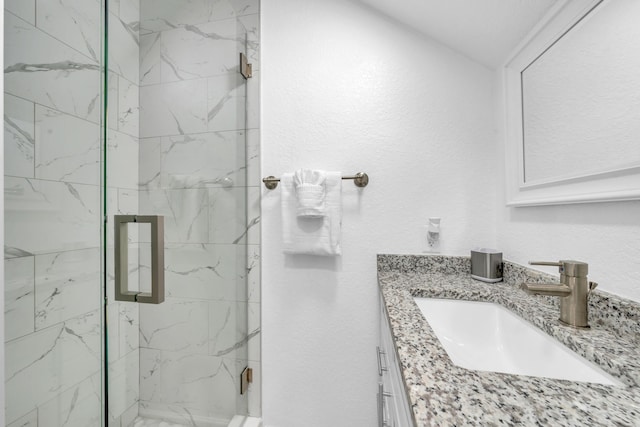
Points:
[[487, 337]]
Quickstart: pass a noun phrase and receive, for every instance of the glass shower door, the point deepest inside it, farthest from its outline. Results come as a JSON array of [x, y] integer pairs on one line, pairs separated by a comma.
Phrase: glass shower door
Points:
[[176, 150], [52, 153]]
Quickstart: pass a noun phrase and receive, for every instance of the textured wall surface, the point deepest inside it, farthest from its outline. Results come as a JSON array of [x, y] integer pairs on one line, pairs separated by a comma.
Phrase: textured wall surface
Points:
[[345, 88], [581, 98], [606, 235]]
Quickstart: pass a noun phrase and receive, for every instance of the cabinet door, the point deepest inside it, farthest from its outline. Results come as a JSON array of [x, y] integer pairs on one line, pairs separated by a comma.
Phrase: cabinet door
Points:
[[394, 398]]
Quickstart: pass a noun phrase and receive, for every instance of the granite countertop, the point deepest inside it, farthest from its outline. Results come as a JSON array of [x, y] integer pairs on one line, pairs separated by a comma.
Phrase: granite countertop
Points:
[[443, 394]]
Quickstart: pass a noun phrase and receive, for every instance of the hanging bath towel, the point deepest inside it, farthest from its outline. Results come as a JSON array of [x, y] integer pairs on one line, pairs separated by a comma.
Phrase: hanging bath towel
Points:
[[318, 235]]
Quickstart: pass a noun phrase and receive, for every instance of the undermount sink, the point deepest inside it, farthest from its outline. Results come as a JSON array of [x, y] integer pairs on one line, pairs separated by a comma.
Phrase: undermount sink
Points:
[[485, 336]]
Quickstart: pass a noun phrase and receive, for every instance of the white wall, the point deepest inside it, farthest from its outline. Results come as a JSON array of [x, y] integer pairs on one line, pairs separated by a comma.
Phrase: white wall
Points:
[[606, 235], [344, 88]]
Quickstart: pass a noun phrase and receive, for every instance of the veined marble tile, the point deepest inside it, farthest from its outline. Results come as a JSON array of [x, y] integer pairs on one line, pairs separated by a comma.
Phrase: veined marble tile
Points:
[[67, 148], [75, 22], [185, 213], [204, 385], [242, 401], [129, 327], [253, 328], [198, 51], [175, 325], [253, 101], [133, 267], [128, 107], [168, 14], [114, 7], [18, 297], [110, 277], [227, 102], [65, 79], [124, 389], [130, 12], [127, 201], [67, 285], [19, 136], [79, 406], [113, 328], [128, 417], [150, 58], [200, 271], [120, 201], [12, 252], [255, 388], [40, 365], [173, 108], [112, 100], [253, 215], [144, 259], [251, 24], [245, 7], [150, 163], [227, 217], [154, 414], [135, 264], [124, 48], [29, 420], [210, 159], [242, 272], [254, 174], [122, 160], [228, 329], [47, 216], [253, 273], [25, 9]]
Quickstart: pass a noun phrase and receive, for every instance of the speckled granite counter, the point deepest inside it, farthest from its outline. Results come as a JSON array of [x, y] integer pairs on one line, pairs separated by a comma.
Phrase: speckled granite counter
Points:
[[443, 394]]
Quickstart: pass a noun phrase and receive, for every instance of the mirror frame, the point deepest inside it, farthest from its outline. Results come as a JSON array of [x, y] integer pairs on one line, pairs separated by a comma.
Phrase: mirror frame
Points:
[[618, 183]]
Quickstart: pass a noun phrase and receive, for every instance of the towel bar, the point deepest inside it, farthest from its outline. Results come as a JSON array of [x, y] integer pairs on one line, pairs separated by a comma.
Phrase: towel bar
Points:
[[360, 179]]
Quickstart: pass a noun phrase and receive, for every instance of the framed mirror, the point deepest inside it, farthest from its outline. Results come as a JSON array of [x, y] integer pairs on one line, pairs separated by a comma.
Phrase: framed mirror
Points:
[[573, 106]]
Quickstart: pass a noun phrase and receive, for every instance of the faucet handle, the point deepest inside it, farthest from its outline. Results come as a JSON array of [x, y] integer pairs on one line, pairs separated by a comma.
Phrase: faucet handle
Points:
[[551, 263], [567, 267]]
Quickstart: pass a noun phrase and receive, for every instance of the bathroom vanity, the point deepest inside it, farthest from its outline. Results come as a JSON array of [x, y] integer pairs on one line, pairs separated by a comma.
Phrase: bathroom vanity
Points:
[[422, 387]]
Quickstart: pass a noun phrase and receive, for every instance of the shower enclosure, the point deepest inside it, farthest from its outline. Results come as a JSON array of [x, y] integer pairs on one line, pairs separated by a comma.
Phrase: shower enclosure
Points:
[[130, 124]]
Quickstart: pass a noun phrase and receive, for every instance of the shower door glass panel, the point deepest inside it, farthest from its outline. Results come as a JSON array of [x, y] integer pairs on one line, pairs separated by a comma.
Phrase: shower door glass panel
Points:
[[52, 140], [176, 148]]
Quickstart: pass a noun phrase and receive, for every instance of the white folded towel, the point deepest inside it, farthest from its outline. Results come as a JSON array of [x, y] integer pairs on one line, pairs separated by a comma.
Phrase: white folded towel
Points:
[[312, 235], [310, 192]]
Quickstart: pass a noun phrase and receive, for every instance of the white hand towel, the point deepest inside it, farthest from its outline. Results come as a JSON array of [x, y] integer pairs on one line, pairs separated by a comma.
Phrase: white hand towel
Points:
[[313, 236], [310, 192]]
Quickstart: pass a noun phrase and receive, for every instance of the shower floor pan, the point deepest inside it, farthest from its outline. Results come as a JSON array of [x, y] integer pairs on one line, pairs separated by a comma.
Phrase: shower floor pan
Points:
[[237, 421]]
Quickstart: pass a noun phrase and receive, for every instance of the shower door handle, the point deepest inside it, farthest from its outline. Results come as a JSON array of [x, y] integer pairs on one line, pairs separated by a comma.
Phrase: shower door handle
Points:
[[121, 249]]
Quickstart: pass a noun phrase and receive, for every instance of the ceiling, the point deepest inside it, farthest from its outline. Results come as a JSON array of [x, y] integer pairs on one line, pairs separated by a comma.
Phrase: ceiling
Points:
[[484, 30]]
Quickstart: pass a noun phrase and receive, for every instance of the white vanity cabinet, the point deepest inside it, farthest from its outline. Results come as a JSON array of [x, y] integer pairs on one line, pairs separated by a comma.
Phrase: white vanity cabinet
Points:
[[393, 405]]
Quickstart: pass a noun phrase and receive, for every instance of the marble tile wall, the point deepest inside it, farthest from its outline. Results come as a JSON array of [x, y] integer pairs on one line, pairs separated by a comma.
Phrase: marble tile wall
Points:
[[52, 291], [52, 198], [199, 152]]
